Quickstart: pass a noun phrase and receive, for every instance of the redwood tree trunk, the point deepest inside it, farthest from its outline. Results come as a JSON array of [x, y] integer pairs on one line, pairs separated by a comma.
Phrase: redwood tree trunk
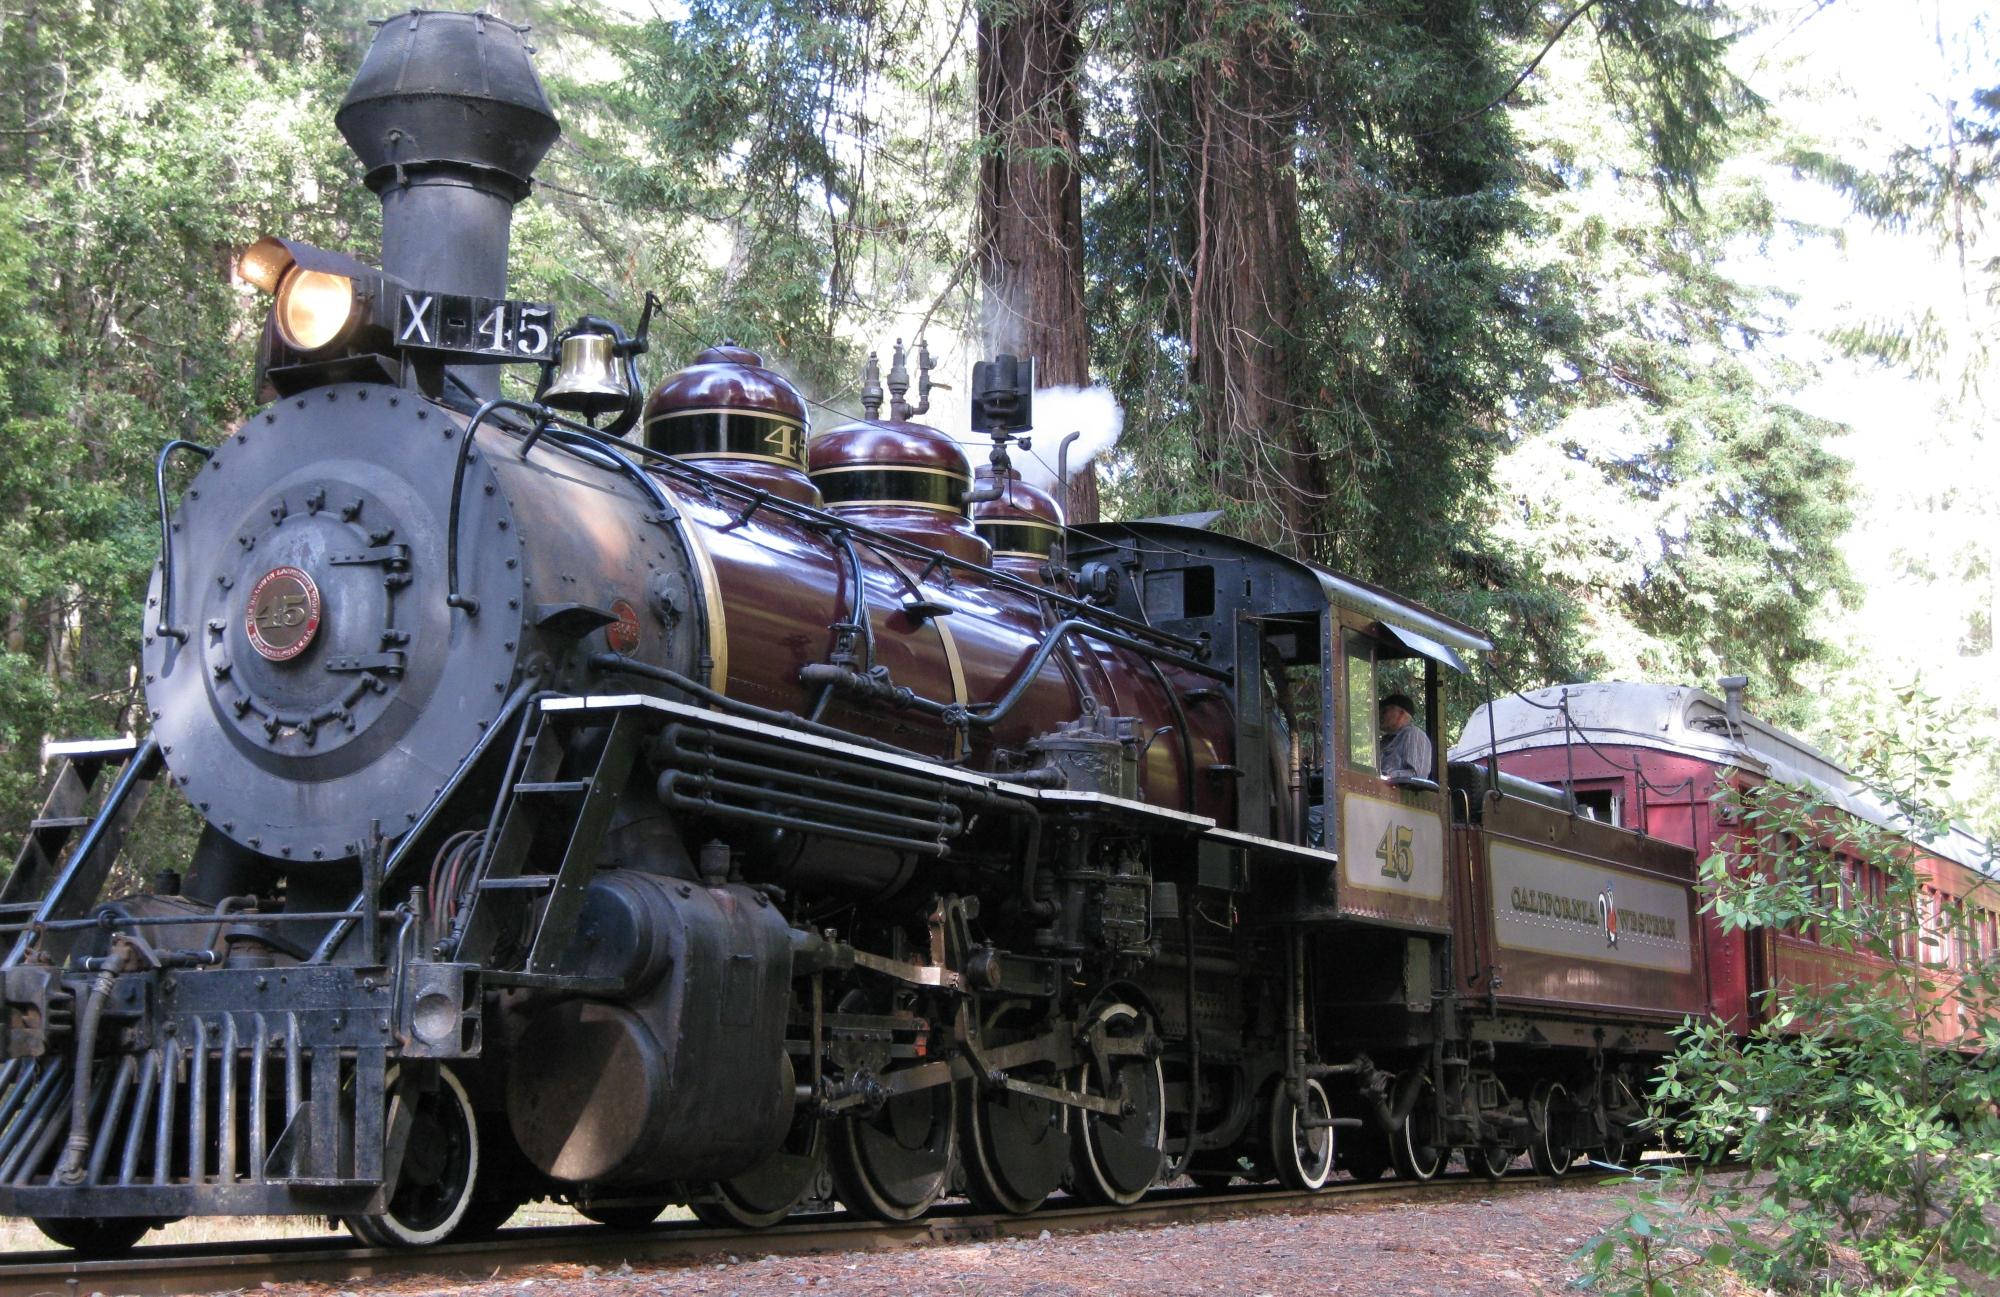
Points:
[[1031, 200], [1245, 289]]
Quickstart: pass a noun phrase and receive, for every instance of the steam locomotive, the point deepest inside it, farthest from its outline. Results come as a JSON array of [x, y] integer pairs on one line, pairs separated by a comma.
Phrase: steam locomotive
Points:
[[689, 810]]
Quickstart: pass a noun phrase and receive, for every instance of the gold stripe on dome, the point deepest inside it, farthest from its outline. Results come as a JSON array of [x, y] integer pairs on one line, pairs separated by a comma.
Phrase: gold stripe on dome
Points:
[[953, 511], [736, 411], [713, 612], [892, 468], [729, 434], [739, 457]]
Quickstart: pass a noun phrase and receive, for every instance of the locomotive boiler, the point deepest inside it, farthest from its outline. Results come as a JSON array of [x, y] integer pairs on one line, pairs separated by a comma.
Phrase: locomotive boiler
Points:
[[697, 809]]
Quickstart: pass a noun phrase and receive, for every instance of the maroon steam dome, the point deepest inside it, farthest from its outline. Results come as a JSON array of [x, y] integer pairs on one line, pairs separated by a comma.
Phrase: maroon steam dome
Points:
[[736, 417], [898, 476], [1022, 523]]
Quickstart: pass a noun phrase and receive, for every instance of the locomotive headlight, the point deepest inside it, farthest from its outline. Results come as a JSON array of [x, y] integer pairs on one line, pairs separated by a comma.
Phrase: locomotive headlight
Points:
[[313, 308]]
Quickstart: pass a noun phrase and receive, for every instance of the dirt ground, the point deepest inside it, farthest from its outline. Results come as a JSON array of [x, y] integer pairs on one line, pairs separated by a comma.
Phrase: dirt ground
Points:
[[1516, 1242]]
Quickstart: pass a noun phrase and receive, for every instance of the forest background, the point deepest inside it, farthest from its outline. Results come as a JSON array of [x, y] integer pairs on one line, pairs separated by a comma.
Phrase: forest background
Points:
[[1651, 336]]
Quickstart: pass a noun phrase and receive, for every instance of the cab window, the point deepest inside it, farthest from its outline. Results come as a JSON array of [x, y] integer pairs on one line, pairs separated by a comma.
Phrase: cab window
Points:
[[1359, 653]]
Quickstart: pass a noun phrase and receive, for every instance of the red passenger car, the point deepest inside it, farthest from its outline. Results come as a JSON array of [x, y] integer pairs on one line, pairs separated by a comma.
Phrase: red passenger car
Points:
[[1653, 757]]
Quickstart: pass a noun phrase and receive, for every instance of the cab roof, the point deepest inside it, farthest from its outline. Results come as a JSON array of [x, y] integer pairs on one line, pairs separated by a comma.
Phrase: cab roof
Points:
[[1303, 586]]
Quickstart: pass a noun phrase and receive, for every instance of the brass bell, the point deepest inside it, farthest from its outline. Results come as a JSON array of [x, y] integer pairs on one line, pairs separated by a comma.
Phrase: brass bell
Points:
[[587, 377]]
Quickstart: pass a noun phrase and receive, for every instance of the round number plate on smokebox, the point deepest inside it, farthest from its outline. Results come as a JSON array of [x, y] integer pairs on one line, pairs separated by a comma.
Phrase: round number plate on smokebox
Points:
[[284, 613]]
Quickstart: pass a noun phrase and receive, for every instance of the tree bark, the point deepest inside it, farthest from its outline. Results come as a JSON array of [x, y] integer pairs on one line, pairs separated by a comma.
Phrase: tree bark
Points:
[[1246, 273], [1031, 199]]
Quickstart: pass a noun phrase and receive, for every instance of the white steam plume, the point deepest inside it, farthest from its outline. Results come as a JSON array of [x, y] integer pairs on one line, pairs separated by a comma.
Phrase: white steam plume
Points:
[[1059, 411]]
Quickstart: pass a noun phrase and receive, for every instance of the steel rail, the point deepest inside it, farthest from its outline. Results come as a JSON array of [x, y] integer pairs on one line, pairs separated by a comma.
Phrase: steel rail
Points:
[[218, 1267]]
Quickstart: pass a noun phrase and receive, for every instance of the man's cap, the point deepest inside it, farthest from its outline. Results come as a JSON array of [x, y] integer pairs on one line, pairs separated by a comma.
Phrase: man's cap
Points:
[[1400, 700]]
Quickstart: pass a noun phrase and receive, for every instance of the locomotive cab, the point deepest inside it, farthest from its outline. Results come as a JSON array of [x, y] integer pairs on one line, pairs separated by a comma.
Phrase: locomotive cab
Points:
[[1319, 647]]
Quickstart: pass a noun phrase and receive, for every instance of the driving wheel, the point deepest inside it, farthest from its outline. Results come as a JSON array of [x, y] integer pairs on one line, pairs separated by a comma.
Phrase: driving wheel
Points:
[[768, 1191], [892, 1165], [1015, 1147], [1114, 1160], [1302, 1147]]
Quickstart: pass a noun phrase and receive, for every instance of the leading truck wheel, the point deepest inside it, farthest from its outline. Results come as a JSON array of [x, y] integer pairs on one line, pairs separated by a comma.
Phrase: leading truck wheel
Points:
[[96, 1235], [440, 1170], [769, 1191]]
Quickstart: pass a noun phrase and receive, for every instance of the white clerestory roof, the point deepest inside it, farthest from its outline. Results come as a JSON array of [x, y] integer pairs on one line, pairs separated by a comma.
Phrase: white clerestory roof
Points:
[[1692, 722]]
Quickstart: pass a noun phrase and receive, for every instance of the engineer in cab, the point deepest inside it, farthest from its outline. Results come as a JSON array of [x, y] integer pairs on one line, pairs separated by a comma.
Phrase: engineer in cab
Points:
[[1405, 750]]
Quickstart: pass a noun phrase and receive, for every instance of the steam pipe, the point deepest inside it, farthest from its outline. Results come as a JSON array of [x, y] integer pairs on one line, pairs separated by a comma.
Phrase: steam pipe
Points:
[[71, 1170], [992, 714], [618, 662], [996, 485], [1062, 469]]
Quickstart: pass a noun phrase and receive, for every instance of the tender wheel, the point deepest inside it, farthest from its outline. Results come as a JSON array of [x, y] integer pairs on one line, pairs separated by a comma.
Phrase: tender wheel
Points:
[[1489, 1161], [626, 1215], [1114, 1160], [1417, 1146], [1622, 1150], [1362, 1151], [1211, 1181], [440, 1168], [96, 1235], [894, 1165], [1545, 1106], [768, 1191], [1302, 1152], [1365, 1155]]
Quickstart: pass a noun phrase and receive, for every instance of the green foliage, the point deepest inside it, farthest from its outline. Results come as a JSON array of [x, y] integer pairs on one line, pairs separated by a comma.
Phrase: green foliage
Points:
[[1668, 1241], [1862, 1104], [1521, 374], [1682, 517], [1410, 336], [788, 168], [148, 141]]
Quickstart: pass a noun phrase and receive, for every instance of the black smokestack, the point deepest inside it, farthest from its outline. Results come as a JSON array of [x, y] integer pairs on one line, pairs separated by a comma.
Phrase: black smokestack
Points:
[[450, 120]]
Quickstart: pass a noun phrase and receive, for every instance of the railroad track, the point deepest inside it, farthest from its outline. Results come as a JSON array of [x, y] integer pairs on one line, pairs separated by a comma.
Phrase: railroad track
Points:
[[215, 1267]]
